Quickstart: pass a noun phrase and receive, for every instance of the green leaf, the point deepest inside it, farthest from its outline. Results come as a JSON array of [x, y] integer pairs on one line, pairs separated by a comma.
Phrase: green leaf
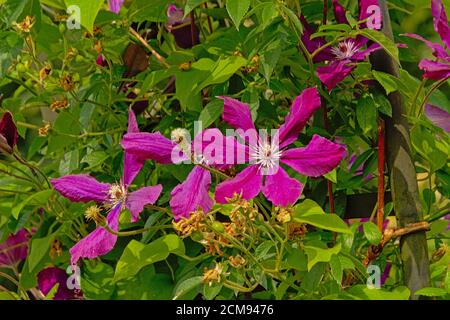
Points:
[[95, 158], [318, 252], [332, 176], [38, 249], [383, 104], [308, 206], [191, 4], [138, 255], [366, 114], [237, 10], [187, 286], [37, 198], [145, 10], [434, 150], [309, 212], [372, 233], [431, 292], [97, 281], [211, 113], [88, 11], [386, 81], [51, 294], [365, 293], [389, 46], [336, 268]]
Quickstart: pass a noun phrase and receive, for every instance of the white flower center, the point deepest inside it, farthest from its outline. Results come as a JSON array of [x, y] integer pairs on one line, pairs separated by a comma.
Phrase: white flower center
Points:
[[117, 194], [345, 49], [266, 155]]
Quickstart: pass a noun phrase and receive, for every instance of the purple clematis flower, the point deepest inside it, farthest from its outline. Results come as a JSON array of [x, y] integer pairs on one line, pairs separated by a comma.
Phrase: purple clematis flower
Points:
[[115, 5], [156, 147], [180, 27], [343, 57], [51, 276], [8, 133], [317, 158], [440, 68], [438, 116], [114, 197], [15, 248]]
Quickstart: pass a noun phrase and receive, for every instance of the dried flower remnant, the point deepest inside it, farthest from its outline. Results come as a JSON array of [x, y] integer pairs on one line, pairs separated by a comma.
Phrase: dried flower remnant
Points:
[[237, 261], [26, 24], [296, 230], [44, 72], [43, 131], [187, 225], [67, 82], [59, 104], [284, 215], [213, 275]]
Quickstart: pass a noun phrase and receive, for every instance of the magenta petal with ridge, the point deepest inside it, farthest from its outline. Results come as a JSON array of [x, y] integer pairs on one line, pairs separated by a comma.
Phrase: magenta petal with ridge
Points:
[[192, 194], [317, 158], [281, 189]]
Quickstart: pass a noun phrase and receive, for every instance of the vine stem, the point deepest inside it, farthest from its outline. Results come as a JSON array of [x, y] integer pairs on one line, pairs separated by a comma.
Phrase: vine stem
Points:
[[380, 194], [149, 47]]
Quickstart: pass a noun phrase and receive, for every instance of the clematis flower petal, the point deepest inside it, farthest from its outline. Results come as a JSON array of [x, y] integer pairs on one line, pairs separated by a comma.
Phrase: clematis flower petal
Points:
[[313, 44], [281, 189], [218, 150], [98, 242], [440, 21], [362, 54], [434, 70], [438, 116], [237, 114], [8, 130], [137, 200], [51, 276], [339, 12], [248, 183], [370, 10], [132, 162], [149, 146], [81, 188], [334, 73], [115, 5], [317, 158], [15, 248], [303, 107], [192, 193], [438, 50]]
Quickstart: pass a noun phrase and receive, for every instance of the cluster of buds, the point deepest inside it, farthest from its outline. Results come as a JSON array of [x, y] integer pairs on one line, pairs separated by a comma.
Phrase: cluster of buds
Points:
[[186, 226], [59, 104], [26, 24], [213, 275]]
